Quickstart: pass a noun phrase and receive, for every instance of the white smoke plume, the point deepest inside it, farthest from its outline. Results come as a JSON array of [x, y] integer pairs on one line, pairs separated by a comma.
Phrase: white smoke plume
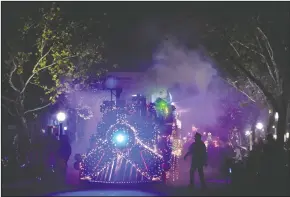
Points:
[[195, 87], [190, 78]]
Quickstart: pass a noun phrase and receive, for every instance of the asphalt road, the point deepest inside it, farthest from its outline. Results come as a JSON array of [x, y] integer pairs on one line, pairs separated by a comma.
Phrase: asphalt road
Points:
[[215, 188], [39, 188]]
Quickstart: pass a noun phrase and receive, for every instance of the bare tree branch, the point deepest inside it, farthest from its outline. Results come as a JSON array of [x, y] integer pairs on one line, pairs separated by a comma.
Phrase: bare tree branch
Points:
[[8, 110], [16, 109], [262, 56], [269, 48], [38, 108], [247, 47], [8, 99], [267, 94], [235, 49], [234, 86], [11, 76], [259, 44], [271, 54]]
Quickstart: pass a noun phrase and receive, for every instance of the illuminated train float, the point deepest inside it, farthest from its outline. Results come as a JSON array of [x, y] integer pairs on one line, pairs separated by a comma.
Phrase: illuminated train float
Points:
[[133, 143]]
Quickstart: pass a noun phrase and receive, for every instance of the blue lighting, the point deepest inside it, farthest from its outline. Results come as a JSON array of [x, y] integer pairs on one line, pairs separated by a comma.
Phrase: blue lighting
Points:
[[120, 138], [107, 193], [111, 82]]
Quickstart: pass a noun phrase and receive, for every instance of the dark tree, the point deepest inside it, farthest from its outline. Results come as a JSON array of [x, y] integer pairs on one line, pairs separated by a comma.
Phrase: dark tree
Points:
[[46, 57], [252, 49]]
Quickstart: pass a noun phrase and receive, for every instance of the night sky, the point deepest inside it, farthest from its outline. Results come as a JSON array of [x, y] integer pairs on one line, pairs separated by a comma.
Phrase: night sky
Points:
[[134, 29]]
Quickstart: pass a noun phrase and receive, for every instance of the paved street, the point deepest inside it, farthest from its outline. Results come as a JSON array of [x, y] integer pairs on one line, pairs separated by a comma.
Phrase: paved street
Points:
[[37, 188], [214, 189]]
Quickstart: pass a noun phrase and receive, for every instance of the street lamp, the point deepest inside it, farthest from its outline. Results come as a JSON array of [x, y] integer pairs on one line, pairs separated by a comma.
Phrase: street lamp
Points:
[[259, 129], [276, 116], [259, 126], [248, 133], [60, 116]]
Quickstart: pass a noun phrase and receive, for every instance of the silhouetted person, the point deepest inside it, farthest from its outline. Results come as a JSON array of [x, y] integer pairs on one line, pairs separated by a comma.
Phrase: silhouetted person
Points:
[[38, 157], [238, 155], [269, 163], [259, 145], [227, 154], [64, 153], [237, 168], [51, 145], [199, 159]]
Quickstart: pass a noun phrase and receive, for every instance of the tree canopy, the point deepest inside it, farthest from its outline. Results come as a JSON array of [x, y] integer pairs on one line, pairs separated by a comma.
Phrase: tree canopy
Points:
[[48, 56], [252, 50]]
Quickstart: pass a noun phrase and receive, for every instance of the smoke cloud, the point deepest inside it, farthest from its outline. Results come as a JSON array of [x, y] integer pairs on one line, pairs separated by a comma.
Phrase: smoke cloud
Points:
[[195, 87], [191, 79]]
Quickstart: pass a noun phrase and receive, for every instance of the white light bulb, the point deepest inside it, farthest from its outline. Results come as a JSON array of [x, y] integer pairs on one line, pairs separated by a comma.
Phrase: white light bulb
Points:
[[259, 125], [276, 116], [61, 116]]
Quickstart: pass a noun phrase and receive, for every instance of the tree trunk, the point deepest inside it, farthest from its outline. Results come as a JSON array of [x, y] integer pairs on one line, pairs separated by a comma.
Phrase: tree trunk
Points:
[[282, 109], [253, 127], [23, 134], [271, 121], [24, 142], [281, 124], [281, 129]]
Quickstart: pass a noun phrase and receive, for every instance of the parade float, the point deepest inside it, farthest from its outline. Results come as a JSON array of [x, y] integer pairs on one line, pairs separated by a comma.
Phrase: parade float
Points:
[[135, 142]]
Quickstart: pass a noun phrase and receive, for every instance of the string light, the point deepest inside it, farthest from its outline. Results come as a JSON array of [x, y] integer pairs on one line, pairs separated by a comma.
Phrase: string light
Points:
[[90, 159], [120, 135], [176, 151], [84, 111]]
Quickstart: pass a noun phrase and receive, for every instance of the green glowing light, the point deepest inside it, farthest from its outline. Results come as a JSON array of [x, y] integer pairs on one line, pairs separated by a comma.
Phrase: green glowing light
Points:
[[162, 106]]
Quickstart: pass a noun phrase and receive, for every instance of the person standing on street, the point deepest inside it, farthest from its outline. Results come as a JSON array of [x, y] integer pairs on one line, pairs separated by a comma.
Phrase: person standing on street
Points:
[[64, 154], [199, 159]]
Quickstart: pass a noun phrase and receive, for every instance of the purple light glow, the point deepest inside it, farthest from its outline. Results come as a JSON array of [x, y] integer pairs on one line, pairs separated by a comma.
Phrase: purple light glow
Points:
[[107, 193], [191, 79]]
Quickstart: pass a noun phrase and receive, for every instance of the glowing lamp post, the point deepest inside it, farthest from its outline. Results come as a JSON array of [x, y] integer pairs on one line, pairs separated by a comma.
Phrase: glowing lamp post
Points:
[[60, 116], [276, 116], [249, 134], [259, 126]]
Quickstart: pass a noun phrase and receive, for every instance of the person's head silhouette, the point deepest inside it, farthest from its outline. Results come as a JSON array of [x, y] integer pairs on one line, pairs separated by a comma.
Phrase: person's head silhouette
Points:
[[197, 137]]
